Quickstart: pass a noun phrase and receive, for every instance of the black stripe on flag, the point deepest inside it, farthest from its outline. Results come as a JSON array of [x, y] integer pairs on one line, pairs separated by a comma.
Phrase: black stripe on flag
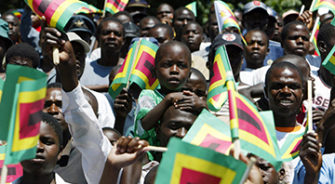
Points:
[[246, 117], [44, 5], [35, 118]]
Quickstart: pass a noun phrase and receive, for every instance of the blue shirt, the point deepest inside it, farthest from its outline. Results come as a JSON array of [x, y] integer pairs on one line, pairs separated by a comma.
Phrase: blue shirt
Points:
[[327, 172]]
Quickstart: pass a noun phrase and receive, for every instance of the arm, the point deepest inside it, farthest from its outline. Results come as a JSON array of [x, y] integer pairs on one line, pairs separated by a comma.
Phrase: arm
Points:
[[28, 33], [153, 116], [191, 102], [122, 106]]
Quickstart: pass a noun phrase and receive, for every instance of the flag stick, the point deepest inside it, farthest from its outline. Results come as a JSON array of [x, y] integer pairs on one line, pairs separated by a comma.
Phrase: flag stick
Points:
[[55, 55], [249, 166], [309, 107], [156, 148], [314, 28], [237, 148], [132, 64], [4, 172], [302, 9], [312, 5], [104, 11]]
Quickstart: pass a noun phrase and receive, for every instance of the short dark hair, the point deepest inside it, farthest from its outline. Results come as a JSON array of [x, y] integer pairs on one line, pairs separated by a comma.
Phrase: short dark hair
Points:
[[326, 32], [181, 9], [23, 50], [287, 27], [263, 32], [54, 124], [167, 27], [161, 50], [283, 64], [106, 19], [126, 13]]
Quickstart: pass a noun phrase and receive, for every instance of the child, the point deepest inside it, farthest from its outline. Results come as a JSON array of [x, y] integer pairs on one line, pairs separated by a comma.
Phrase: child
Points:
[[172, 68], [40, 170]]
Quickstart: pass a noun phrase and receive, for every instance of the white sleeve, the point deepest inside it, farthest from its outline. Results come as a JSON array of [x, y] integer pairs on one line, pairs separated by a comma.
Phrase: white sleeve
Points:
[[87, 135]]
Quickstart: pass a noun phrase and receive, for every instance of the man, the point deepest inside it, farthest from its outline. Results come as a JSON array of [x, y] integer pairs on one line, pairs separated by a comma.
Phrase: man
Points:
[[192, 36], [110, 35], [14, 27], [255, 16], [256, 49], [284, 90], [180, 18], [146, 24], [162, 33], [165, 13]]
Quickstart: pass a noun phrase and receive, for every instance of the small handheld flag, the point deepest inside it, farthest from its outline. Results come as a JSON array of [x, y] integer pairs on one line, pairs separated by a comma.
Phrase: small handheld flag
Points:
[[114, 6], [187, 163], [329, 62], [329, 4], [22, 102], [193, 7], [225, 16]]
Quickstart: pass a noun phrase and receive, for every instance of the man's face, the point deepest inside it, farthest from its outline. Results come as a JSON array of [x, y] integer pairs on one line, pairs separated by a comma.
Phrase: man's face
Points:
[[192, 36], [146, 24], [181, 20], [79, 51], [297, 41], [111, 36], [285, 91], [174, 123], [278, 29], [48, 148], [161, 34], [256, 19], [53, 104], [173, 68], [256, 49], [213, 29], [13, 24], [165, 13]]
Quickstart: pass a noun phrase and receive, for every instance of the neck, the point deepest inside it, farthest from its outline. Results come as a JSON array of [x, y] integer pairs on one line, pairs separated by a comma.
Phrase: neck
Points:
[[109, 58], [32, 178], [254, 66], [285, 121]]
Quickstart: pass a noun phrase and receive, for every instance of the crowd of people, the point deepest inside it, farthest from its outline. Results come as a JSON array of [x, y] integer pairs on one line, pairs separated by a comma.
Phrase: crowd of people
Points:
[[86, 136]]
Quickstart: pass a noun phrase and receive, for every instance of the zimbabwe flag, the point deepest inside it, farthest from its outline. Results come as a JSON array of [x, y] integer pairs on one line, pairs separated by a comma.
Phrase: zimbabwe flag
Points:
[[329, 62], [14, 171], [1, 87], [193, 7], [56, 12], [217, 92], [256, 136], [329, 4], [114, 6], [138, 68], [23, 100], [186, 163]]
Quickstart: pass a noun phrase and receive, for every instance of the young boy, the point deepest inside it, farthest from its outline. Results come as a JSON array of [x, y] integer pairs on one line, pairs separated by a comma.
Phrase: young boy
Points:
[[40, 170]]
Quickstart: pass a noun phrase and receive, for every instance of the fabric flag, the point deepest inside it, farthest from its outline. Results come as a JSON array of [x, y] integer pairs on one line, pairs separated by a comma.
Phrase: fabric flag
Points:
[[217, 92], [186, 163], [224, 16], [290, 148], [114, 6], [256, 135], [89, 9], [56, 12], [140, 63], [315, 36], [193, 7], [329, 4], [20, 108], [14, 171], [329, 62], [1, 87]]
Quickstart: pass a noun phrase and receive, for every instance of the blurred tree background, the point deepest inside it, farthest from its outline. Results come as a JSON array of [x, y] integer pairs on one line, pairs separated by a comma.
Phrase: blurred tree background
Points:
[[203, 6]]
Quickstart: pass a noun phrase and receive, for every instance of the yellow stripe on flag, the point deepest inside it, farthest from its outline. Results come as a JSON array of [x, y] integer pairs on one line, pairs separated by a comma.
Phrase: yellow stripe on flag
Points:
[[32, 96], [287, 154], [332, 60], [2, 156], [59, 11], [226, 175]]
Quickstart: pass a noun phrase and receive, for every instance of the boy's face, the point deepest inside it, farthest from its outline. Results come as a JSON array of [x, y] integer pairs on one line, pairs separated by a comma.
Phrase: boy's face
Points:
[[257, 47], [285, 91], [173, 68], [192, 36], [174, 123], [18, 60], [48, 148], [112, 136], [196, 85], [297, 41]]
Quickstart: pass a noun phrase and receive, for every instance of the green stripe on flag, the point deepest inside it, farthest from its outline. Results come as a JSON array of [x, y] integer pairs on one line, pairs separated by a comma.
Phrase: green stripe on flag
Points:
[[68, 13], [329, 62]]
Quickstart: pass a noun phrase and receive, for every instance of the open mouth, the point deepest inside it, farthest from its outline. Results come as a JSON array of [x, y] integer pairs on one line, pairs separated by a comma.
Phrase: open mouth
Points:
[[38, 159], [173, 81], [286, 102]]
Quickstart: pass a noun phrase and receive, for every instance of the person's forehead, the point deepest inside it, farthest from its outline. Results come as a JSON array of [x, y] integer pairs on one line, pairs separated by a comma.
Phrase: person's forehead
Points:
[[159, 32], [183, 14], [112, 24], [280, 72], [10, 18], [298, 29], [176, 115], [164, 8], [256, 33], [47, 130], [193, 26]]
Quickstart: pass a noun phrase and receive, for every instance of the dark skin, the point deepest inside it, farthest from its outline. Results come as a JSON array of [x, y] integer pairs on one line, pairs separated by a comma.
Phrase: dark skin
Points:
[[192, 36], [172, 70], [13, 25], [257, 48], [122, 106], [161, 34], [278, 29], [311, 157], [40, 169], [285, 95], [18, 60], [53, 105], [127, 151], [297, 40], [181, 18], [165, 13], [213, 29], [146, 24]]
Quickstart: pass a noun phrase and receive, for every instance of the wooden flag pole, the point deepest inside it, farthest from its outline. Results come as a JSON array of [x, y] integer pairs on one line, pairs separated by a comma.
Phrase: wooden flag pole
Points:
[[302, 9], [4, 172], [55, 55], [314, 28], [132, 63], [156, 148], [312, 5], [237, 148], [104, 11], [249, 166], [309, 107]]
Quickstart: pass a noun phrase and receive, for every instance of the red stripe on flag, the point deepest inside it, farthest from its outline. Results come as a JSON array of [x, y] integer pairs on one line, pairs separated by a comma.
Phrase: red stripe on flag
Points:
[[216, 72], [118, 4], [216, 144], [36, 4], [296, 147], [52, 8], [29, 128], [146, 65], [189, 176]]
